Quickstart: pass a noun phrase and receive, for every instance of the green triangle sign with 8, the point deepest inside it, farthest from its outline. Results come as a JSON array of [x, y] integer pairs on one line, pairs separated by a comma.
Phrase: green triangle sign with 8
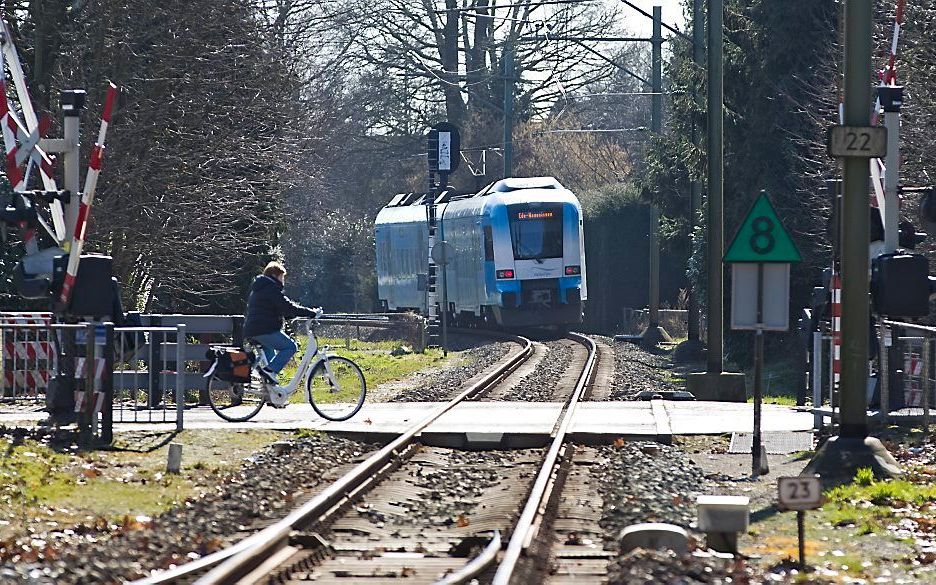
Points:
[[761, 237]]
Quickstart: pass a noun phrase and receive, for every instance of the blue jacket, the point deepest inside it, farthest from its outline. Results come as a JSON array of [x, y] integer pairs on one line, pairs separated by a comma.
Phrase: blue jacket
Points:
[[267, 306]]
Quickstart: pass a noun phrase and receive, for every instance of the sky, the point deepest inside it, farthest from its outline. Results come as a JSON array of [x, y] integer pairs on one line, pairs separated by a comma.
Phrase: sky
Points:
[[640, 25]]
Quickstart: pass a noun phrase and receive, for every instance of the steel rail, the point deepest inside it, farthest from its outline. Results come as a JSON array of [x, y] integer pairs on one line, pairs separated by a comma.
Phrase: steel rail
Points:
[[234, 562], [525, 529], [477, 565]]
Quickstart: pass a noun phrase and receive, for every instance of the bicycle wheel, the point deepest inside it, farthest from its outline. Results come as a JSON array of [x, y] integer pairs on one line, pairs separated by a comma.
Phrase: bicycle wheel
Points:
[[342, 400], [236, 402]]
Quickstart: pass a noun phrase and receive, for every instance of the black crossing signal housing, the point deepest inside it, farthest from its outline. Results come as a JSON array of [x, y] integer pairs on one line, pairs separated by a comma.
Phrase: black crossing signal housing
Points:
[[876, 232], [928, 206], [908, 237], [444, 155], [900, 285]]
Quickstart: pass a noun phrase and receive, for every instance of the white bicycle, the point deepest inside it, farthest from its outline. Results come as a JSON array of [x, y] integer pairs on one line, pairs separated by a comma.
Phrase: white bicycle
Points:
[[334, 385]]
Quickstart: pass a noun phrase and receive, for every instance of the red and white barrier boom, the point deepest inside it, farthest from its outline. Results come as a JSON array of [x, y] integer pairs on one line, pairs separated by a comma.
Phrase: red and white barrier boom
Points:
[[21, 145], [35, 128], [25, 147]]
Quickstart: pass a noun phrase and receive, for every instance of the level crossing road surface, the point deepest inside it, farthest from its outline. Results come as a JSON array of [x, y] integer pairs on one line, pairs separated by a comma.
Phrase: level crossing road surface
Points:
[[593, 420]]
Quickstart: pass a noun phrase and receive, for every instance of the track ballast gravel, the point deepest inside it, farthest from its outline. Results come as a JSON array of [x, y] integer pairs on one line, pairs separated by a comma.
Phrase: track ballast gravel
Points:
[[452, 491], [647, 482], [636, 370], [262, 491], [480, 354], [540, 384], [651, 566]]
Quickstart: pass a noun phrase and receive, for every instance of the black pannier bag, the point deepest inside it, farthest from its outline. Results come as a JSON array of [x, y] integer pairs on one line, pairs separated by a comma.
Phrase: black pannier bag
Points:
[[230, 364]]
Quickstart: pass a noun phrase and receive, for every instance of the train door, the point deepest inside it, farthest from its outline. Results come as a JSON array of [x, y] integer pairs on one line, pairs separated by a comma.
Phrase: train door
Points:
[[581, 253], [487, 275]]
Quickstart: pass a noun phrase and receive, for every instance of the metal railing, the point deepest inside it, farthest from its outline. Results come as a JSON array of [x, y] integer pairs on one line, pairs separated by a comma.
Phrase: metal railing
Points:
[[152, 378], [151, 373], [906, 373], [60, 368], [903, 386]]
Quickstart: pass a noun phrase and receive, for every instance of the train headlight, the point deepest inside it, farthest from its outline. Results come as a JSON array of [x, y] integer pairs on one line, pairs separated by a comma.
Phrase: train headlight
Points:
[[573, 270], [509, 273]]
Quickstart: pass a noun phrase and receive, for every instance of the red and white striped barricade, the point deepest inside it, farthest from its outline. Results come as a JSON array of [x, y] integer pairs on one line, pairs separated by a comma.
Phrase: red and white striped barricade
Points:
[[29, 357], [913, 386], [81, 372]]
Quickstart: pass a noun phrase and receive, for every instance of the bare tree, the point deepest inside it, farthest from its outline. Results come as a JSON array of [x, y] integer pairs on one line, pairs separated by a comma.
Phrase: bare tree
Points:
[[454, 50], [206, 138]]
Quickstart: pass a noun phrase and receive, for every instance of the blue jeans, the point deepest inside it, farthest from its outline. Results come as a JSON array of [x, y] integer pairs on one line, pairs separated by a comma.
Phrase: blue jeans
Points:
[[279, 349]]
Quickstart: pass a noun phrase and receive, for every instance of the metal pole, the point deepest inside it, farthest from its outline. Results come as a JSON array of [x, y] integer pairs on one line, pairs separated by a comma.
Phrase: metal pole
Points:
[[445, 309], [508, 109], [817, 379], [180, 375], [884, 374], [924, 383], [107, 386], [87, 412], [801, 533], [715, 239], [833, 405], [855, 288], [695, 194], [756, 462], [656, 124], [432, 272]]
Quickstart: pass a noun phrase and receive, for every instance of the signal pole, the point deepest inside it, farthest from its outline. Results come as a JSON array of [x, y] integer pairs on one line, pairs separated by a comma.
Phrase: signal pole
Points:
[[855, 225], [508, 108], [654, 332], [695, 194], [716, 187], [842, 456], [715, 383]]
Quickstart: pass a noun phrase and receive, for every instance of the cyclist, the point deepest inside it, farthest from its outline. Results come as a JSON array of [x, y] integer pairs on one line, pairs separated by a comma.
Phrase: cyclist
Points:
[[267, 306]]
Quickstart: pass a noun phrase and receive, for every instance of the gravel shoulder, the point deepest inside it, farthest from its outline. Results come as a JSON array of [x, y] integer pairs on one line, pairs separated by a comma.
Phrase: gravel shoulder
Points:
[[647, 482], [636, 370], [228, 506], [838, 550]]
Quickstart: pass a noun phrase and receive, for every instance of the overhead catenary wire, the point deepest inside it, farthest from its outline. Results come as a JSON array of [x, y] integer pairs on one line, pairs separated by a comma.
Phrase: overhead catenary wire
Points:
[[615, 63], [552, 37], [592, 130], [625, 93], [502, 18], [531, 5], [663, 24]]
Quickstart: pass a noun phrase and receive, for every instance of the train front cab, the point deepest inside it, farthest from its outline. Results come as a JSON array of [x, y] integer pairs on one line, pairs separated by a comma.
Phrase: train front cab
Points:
[[538, 271]]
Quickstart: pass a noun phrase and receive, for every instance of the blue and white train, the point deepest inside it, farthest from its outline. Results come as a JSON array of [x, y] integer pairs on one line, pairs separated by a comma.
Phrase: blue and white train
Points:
[[516, 255]]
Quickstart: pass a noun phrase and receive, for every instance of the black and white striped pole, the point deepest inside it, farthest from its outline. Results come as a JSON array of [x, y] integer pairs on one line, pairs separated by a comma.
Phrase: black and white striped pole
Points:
[[443, 156]]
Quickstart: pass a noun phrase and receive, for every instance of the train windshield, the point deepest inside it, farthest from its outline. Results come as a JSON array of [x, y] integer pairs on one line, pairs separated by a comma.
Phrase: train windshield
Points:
[[536, 232]]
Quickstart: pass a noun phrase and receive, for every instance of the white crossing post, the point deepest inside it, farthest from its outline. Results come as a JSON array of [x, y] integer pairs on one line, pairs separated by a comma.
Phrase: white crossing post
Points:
[[180, 377], [925, 382], [884, 371], [816, 379]]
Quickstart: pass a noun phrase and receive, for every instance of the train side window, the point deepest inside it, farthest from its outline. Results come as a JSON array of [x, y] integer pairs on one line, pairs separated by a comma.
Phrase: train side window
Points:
[[488, 243]]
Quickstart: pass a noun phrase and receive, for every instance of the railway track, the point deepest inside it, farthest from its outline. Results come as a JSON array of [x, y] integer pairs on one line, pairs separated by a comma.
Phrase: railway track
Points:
[[365, 525], [342, 492]]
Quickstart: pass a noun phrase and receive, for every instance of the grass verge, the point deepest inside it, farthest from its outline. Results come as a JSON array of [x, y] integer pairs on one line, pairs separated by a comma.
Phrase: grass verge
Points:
[[375, 359], [43, 489]]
